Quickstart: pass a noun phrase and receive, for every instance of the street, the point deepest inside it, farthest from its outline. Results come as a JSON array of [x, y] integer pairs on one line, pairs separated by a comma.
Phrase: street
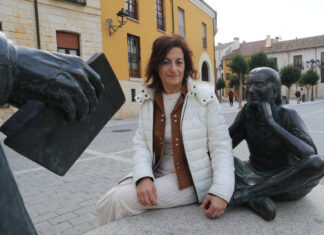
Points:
[[66, 205]]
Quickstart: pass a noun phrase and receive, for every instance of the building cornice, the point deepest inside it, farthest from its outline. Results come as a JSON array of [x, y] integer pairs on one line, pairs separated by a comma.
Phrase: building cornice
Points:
[[205, 8], [293, 49]]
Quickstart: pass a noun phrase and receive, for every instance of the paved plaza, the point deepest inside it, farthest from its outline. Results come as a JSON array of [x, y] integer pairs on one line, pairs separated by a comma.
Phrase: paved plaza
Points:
[[66, 205]]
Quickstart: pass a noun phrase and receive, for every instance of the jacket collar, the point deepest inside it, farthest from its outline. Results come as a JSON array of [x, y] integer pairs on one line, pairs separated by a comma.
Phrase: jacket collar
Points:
[[194, 88]]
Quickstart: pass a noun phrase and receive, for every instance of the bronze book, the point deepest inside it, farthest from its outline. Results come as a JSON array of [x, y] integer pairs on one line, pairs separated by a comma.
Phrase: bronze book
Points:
[[42, 134]]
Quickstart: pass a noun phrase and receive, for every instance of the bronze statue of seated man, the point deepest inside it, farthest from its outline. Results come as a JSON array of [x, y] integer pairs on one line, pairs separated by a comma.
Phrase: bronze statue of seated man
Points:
[[284, 164]]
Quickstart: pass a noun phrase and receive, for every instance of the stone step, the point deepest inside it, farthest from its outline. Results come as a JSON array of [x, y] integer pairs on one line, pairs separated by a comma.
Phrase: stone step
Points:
[[305, 216]]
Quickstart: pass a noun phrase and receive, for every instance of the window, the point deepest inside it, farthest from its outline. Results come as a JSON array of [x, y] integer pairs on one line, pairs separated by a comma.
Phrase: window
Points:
[[322, 67], [228, 50], [228, 62], [133, 56], [298, 61], [181, 22], [133, 93], [68, 43], [159, 14], [204, 72], [82, 2], [131, 8], [204, 38], [228, 76], [275, 61]]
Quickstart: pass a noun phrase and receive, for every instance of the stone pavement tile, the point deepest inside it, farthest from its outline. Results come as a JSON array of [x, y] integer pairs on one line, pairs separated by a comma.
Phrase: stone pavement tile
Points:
[[82, 219], [63, 226], [94, 222], [68, 207], [80, 229], [88, 209], [62, 218], [45, 228], [43, 217], [32, 212]]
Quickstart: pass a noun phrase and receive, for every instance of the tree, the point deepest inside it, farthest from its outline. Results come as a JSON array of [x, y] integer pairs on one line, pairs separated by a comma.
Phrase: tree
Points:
[[220, 84], [240, 67], [260, 59], [289, 75], [272, 64], [309, 79]]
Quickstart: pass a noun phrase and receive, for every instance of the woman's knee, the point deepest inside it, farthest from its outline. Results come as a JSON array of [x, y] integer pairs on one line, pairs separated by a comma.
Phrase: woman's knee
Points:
[[106, 201]]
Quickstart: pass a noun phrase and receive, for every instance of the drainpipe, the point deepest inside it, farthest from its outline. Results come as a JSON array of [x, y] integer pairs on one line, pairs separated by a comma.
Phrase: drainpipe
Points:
[[37, 24], [172, 16]]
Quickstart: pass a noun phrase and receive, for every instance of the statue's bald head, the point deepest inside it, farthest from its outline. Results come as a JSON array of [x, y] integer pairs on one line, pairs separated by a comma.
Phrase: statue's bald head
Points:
[[269, 75]]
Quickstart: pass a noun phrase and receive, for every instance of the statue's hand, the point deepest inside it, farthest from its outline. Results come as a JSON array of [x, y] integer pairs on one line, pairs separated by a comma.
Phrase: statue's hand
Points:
[[264, 112], [63, 80]]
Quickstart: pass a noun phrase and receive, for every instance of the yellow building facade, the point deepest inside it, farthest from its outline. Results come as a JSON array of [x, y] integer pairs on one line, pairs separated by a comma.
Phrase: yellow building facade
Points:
[[129, 47]]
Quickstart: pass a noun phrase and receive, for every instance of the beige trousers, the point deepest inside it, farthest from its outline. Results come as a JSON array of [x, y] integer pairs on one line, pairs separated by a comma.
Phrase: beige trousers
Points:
[[121, 200]]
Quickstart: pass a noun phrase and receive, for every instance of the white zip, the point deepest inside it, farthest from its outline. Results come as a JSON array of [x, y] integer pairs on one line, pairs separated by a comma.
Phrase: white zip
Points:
[[184, 106], [152, 139]]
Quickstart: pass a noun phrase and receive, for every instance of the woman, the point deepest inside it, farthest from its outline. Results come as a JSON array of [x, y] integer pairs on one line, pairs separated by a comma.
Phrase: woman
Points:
[[182, 149]]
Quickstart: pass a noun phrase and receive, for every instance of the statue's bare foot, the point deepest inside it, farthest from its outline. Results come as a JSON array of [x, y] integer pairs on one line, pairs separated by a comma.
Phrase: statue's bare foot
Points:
[[264, 207]]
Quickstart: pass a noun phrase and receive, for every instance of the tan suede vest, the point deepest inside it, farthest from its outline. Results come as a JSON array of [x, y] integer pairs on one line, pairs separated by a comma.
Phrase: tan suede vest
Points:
[[179, 156]]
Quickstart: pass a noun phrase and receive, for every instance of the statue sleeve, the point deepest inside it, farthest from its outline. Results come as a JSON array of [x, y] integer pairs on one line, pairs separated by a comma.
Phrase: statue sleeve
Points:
[[7, 67], [295, 125]]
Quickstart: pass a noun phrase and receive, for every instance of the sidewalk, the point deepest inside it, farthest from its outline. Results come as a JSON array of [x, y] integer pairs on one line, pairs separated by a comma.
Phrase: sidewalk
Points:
[[292, 102]]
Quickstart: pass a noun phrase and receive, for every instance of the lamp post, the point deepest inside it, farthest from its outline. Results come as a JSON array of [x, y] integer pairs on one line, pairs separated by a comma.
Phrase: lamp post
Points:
[[122, 19], [312, 64], [221, 73]]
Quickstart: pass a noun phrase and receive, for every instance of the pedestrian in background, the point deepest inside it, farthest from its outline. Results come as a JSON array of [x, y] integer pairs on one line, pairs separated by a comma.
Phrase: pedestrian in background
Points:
[[297, 94], [182, 149], [231, 96]]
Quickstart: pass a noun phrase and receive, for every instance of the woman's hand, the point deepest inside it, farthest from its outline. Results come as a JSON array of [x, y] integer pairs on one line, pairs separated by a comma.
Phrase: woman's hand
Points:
[[146, 192], [216, 207]]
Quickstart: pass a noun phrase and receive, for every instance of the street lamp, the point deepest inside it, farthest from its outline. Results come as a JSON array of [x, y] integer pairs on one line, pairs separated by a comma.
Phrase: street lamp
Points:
[[122, 19], [221, 72], [312, 64]]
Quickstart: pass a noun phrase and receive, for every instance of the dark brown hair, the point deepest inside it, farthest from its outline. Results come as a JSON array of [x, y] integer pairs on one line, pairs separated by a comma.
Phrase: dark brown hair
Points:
[[161, 46]]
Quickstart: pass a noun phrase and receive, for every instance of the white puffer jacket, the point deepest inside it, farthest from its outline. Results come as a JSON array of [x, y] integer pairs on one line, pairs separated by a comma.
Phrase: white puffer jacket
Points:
[[206, 140]]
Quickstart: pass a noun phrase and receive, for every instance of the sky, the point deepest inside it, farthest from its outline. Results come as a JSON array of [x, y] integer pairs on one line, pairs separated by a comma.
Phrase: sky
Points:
[[253, 20]]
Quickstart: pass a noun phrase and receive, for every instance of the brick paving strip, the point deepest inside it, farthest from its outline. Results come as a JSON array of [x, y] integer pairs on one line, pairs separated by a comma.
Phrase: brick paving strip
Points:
[[66, 205]]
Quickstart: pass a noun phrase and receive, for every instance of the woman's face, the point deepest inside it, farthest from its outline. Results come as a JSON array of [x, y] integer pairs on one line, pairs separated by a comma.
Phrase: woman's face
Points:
[[171, 70]]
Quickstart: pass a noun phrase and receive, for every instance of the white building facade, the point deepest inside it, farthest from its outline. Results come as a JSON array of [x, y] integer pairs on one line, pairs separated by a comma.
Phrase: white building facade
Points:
[[297, 52], [66, 26], [222, 50]]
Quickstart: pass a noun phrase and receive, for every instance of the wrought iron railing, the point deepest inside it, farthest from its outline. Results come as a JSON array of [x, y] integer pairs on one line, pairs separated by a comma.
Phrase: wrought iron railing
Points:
[[82, 2], [131, 9], [160, 21], [204, 42]]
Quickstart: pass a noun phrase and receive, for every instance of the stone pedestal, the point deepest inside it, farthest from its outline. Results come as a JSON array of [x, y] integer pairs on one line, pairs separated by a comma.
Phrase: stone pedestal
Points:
[[305, 216]]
